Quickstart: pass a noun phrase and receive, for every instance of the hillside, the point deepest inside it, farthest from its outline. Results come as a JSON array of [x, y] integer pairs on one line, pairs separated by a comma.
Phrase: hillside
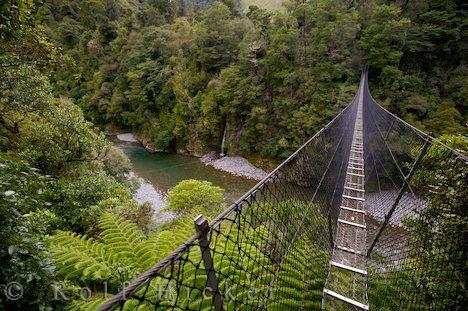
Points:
[[178, 76], [271, 5]]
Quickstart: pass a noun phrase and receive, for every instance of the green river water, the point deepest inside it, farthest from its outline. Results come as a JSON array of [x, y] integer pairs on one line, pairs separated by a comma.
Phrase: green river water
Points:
[[165, 170]]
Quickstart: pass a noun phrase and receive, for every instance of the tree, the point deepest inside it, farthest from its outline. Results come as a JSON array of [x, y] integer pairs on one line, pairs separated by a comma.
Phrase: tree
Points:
[[15, 16], [217, 37], [436, 36], [384, 40], [22, 40], [63, 139], [23, 90], [195, 196]]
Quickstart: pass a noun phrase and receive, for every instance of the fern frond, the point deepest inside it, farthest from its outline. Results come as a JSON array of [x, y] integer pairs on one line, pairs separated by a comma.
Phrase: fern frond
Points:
[[77, 257], [120, 238], [85, 305]]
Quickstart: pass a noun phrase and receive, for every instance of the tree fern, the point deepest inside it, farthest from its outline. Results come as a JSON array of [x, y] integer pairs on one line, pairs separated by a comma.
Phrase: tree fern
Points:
[[125, 243], [121, 253], [85, 305], [243, 256], [78, 257], [301, 278]]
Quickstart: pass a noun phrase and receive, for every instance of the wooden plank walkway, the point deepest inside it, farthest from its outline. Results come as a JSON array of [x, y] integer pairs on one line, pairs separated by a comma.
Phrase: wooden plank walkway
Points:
[[346, 284]]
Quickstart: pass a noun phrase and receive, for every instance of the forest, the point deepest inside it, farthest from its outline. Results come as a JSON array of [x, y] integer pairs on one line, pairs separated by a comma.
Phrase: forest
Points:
[[176, 74]]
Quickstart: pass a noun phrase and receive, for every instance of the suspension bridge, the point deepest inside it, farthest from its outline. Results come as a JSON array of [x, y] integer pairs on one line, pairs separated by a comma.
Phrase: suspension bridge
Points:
[[363, 216]]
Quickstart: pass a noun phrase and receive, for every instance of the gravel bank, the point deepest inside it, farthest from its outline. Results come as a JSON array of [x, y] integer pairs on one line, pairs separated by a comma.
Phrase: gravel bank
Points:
[[235, 165], [148, 193], [127, 137]]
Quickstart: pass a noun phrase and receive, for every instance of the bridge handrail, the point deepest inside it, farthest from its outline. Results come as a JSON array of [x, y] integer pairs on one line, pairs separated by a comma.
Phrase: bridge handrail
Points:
[[160, 267], [194, 241]]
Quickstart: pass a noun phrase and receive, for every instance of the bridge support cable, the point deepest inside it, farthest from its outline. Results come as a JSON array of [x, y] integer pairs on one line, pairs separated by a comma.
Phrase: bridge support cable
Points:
[[402, 175], [347, 276], [400, 195], [332, 202], [411, 248], [366, 214]]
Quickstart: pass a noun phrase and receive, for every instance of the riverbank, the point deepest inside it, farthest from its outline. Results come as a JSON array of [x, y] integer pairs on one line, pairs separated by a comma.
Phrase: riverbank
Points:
[[127, 137], [131, 138], [162, 171], [147, 193], [235, 165]]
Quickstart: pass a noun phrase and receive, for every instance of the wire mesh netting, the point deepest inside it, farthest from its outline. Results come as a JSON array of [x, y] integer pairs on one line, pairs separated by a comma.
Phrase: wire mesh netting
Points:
[[416, 199], [272, 249]]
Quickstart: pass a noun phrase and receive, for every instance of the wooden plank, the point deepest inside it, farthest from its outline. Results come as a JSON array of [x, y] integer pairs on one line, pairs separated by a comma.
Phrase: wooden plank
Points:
[[349, 250], [354, 189], [354, 174], [346, 299], [353, 198], [349, 268], [353, 209], [352, 223]]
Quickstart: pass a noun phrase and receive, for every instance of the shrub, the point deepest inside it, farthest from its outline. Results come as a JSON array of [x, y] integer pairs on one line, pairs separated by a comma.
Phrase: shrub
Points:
[[195, 195]]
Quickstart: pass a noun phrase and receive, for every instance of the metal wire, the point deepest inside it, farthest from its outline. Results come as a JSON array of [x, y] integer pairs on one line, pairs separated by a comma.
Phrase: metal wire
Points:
[[416, 200], [271, 250]]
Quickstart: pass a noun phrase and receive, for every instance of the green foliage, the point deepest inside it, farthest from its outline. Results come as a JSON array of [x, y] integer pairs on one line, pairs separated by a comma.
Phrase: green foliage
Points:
[[55, 167], [123, 251], [177, 76], [427, 49], [178, 84], [246, 271], [195, 196], [23, 224], [32, 205], [117, 164], [77, 257], [63, 139], [22, 40], [273, 77], [15, 15], [383, 40], [217, 38], [118, 255], [76, 199], [24, 90]]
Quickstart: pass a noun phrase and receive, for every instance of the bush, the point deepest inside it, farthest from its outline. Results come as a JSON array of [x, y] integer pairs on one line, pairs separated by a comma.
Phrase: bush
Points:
[[117, 164], [75, 200], [195, 195]]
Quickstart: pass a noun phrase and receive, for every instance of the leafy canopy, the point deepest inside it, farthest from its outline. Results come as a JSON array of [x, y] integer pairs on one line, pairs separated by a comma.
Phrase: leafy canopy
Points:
[[195, 195]]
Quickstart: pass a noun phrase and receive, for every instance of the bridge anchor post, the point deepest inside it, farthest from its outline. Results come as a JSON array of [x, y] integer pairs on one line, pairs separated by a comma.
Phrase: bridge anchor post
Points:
[[202, 227]]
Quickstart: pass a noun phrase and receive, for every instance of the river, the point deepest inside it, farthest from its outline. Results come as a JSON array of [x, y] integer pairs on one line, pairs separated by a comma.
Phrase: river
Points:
[[163, 171]]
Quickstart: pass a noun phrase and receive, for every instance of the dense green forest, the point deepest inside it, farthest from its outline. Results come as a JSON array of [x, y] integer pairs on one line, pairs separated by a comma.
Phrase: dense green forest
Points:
[[176, 73]]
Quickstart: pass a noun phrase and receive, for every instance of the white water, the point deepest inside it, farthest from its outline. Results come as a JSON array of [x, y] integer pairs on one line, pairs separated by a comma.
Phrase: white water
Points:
[[222, 154]]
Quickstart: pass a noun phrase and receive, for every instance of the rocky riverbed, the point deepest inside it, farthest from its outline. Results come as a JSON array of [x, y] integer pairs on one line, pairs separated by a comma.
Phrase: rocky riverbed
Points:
[[147, 193], [235, 165], [127, 137]]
